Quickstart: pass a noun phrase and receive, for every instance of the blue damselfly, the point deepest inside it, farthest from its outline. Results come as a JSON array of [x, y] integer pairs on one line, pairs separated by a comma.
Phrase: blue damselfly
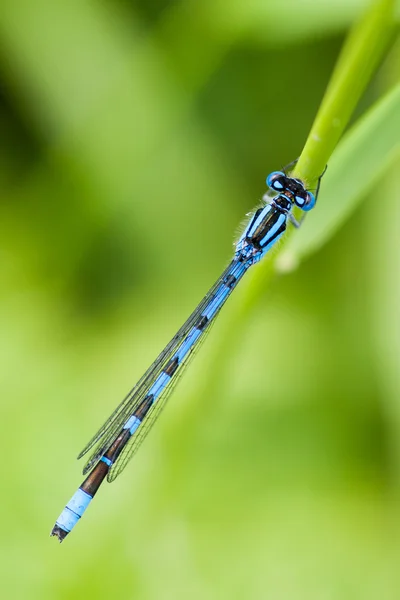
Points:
[[118, 439]]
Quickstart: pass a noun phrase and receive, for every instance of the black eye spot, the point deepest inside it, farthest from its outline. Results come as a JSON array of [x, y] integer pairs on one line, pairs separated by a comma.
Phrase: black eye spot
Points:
[[278, 184]]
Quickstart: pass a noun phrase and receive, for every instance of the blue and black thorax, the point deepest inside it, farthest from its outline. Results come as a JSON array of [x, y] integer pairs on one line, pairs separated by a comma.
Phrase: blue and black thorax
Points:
[[269, 222]]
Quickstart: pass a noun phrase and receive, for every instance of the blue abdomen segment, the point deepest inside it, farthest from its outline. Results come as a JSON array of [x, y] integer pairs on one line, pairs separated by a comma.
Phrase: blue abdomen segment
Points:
[[159, 385], [132, 424], [74, 510], [189, 342]]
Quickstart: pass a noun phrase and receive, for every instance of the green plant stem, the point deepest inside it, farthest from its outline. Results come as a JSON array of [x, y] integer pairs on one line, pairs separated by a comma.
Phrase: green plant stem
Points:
[[360, 56]]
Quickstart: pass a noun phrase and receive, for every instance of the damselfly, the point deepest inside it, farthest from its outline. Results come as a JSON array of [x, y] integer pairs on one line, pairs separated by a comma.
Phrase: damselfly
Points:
[[118, 439]]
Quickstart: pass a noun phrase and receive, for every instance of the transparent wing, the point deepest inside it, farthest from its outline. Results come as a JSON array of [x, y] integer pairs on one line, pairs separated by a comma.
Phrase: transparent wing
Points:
[[112, 427], [135, 441]]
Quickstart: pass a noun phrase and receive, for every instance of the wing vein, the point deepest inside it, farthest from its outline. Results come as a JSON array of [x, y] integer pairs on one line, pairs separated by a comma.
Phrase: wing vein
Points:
[[104, 437]]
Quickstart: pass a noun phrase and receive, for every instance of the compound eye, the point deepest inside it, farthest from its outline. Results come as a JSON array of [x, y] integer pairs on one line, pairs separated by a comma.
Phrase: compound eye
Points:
[[276, 181], [310, 201]]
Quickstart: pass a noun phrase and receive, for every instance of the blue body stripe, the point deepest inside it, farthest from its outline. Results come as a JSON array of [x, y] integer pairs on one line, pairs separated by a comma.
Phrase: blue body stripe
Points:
[[272, 242], [212, 308], [159, 385], [240, 270], [221, 295], [259, 220], [132, 424], [190, 340], [272, 232], [106, 460]]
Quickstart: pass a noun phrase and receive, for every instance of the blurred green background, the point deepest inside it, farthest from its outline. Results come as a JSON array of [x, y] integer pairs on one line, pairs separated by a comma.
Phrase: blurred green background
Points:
[[134, 137]]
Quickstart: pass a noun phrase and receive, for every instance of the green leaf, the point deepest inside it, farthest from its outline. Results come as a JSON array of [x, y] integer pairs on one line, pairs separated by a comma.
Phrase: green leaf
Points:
[[364, 154], [282, 22], [361, 54]]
